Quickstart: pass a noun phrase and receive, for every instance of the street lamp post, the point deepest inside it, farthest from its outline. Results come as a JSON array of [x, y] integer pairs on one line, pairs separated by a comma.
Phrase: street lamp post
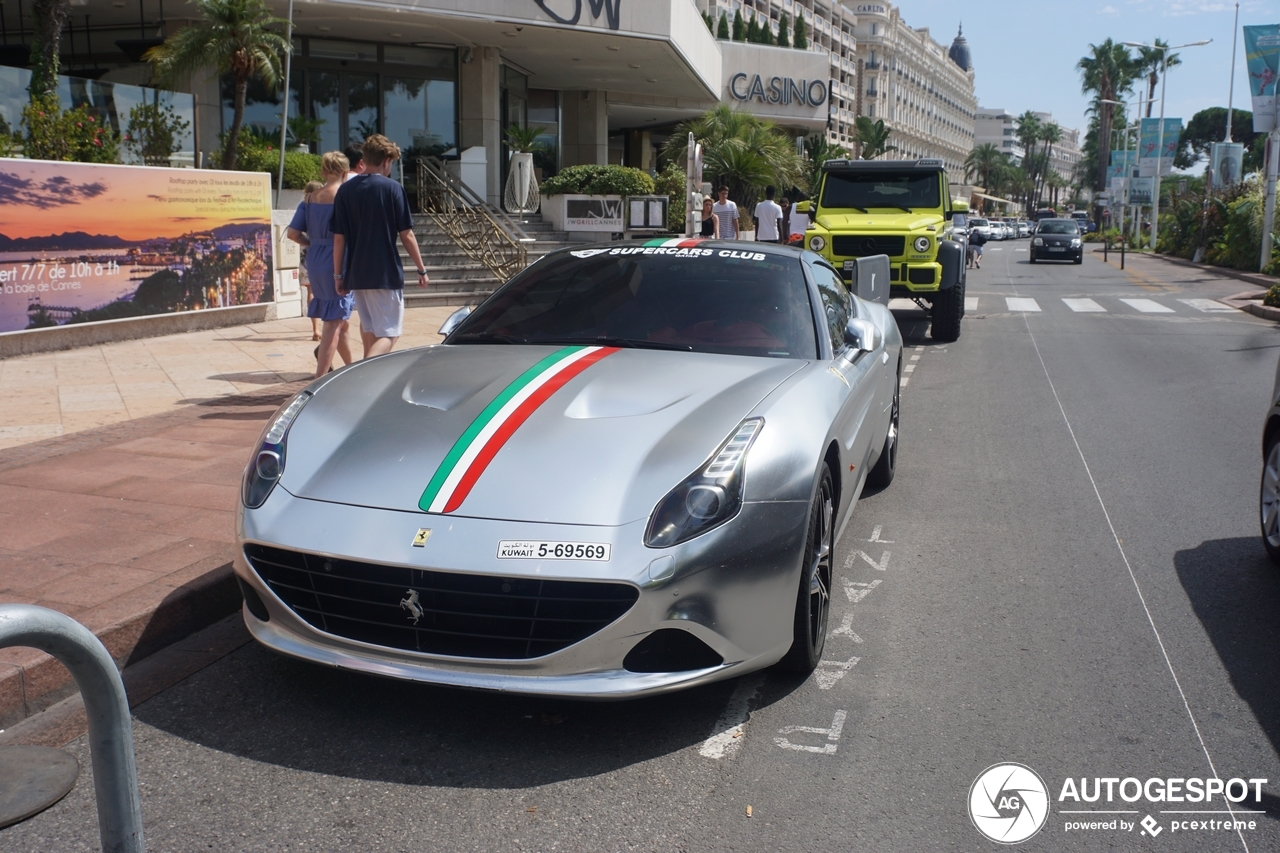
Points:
[[1164, 74]]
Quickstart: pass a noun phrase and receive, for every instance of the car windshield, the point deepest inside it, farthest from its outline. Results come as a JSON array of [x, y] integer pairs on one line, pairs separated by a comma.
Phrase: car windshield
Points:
[[979, 222], [703, 300], [905, 190], [1049, 227]]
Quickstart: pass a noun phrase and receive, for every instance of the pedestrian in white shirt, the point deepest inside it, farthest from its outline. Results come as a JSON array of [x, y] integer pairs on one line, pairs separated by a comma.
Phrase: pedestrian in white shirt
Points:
[[727, 212], [799, 221], [768, 218]]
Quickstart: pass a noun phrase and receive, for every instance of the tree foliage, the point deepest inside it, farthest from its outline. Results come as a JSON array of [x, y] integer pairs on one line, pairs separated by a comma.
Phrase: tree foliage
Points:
[[801, 39], [740, 151], [1209, 126], [1107, 73], [236, 37], [873, 137], [784, 26], [739, 26], [722, 29], [50, 17]]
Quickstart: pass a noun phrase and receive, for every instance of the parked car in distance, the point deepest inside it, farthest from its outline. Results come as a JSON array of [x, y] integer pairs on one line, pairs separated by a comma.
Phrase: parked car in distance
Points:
[[1024, 228], [1045, 213], [1057, 240], [1082, 219], [981, 225]]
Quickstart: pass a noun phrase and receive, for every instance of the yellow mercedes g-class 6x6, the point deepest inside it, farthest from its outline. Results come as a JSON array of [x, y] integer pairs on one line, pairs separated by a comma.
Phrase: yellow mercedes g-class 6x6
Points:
[[899, 208]]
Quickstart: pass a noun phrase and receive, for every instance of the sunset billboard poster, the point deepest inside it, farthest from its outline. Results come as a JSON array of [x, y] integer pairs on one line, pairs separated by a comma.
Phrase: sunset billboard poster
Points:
[[81, 242]]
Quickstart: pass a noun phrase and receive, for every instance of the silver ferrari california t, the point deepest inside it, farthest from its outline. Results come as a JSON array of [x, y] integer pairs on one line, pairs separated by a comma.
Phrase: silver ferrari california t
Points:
[[624, 473]]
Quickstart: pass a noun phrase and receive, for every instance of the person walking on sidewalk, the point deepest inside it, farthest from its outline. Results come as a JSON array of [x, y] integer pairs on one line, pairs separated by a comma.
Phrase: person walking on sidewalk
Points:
[[370, 212], [976, 241], [355, 162], [310, 228], [727, 212], [768, 218]]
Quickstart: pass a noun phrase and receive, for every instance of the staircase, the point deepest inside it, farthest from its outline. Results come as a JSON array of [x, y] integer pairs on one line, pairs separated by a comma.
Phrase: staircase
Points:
[[456, 279]]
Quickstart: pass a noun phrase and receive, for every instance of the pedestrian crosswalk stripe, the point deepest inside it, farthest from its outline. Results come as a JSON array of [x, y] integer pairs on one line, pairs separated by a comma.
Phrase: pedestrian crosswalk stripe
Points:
[[1147, 306], [1018, 303], [1083, 306], [1210, 306], [971, 303]]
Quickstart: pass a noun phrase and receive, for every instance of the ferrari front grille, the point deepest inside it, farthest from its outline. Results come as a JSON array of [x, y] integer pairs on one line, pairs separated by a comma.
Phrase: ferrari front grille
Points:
[[862, 245], [439, 613]]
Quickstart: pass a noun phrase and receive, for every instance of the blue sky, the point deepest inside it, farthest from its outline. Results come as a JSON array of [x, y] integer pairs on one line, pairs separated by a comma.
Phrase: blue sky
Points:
[[1025, 51]]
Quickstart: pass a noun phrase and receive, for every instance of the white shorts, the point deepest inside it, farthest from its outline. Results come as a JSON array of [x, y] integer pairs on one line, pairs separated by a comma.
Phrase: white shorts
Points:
[[381, 312]]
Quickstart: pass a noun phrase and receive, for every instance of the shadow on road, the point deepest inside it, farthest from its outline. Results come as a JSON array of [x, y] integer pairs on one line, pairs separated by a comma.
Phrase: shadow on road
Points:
[[267, 708], [1235, 591]]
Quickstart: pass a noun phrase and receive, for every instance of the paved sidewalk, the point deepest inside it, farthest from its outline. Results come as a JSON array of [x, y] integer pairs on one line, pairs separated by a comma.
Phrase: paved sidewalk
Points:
[[60, 393], [126, 520]]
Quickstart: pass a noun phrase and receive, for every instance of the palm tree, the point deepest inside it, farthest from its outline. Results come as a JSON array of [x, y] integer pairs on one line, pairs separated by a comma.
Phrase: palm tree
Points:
[[234, 36], [1107, 72], [873, 138], [1151, 62], [819, 150], [1028, 134], [740, 151], [1050, 135], [981, 161]]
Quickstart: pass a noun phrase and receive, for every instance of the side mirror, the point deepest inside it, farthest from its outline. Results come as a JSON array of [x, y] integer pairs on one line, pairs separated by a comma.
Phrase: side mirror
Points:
[[803, 206], [455, 319], [861, 334]]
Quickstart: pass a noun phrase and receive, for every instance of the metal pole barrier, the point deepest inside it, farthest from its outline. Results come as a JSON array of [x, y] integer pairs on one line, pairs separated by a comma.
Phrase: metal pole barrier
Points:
[[115, 776]]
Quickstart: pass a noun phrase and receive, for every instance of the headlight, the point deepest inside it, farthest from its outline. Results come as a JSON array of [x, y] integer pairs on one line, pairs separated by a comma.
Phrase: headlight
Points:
[[708, 497], [1037, 242], [817, 242], [921, 244], [1075, 244], [267, 463]]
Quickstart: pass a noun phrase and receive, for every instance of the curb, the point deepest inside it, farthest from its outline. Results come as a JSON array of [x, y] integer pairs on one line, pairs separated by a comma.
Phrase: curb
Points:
[[1257, 279], [1265, 311], [41, 681]]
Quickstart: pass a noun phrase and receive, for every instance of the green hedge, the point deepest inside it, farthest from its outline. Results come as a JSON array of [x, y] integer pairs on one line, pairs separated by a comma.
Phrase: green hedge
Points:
[[598, 180], [299, 168]]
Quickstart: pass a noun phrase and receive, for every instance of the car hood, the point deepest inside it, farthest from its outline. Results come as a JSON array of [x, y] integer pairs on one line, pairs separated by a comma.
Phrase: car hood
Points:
[[878, 220], [602, 449]]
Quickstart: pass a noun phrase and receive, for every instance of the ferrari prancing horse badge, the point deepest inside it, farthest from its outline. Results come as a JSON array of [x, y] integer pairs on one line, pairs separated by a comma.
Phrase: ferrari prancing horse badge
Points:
[[420, 538]]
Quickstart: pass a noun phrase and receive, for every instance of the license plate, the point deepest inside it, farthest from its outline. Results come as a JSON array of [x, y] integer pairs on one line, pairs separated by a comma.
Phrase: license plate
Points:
[[849, 265], [1056, 249], [523, 549]]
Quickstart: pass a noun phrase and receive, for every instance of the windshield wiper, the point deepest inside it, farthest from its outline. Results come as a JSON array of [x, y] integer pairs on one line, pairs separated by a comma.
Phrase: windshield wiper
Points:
[[488, 338], [609, 341]]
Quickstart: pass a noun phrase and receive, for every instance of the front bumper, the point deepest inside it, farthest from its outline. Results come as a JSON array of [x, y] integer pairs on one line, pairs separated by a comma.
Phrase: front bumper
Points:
[[906, 276], [733, 588], [1043, 253]]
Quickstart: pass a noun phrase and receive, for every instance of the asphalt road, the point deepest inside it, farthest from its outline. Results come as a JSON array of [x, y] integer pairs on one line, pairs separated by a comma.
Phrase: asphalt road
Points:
[[1066, 574]]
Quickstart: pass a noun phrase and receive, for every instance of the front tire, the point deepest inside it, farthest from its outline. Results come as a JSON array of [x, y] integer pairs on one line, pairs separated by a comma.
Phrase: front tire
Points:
[[1031, 257], [887, 465], [813, 599], [948, 308], [1269, 499]]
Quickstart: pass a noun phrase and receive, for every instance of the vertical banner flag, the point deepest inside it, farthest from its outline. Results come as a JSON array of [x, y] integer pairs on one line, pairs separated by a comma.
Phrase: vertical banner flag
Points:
[[1122, 164], [1226, 158], [1149, 140], [1262, 60], [1141, 191]]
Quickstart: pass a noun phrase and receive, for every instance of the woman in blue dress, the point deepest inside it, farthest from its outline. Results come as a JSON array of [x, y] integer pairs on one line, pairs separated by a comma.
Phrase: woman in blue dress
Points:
[[310, 228]]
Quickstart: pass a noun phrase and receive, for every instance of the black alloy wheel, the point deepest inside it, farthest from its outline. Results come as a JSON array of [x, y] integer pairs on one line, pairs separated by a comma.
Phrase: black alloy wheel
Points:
[[813, 600], [887, 465]]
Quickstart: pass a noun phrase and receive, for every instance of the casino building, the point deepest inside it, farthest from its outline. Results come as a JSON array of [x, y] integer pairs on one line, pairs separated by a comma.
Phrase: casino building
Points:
[[605, 80]]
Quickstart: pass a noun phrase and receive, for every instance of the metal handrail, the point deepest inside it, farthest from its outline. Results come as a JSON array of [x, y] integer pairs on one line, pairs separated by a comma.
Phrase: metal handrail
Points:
[[115, 775], [485, 234]]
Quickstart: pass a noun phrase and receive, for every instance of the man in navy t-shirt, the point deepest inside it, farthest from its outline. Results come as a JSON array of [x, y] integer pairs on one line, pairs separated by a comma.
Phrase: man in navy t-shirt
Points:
[[370, 212]]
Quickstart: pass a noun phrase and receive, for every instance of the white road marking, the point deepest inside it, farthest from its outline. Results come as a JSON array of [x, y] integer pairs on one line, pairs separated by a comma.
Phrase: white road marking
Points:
[[846, 629], [971, 303], [1083, 306], [915, 357], [882, 565], [833, 735], [831, 671], [910, 368], [1209, 306], [1147, 306], [903, 383], [1124, 557], [875, 535], [1021, 303], [1019, 250], [855, 594], [994, 249], [727, 736]]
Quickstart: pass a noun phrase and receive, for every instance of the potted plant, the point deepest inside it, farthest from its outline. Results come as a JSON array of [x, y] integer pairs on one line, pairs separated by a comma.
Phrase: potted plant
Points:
[[520, 195], [589, 197]]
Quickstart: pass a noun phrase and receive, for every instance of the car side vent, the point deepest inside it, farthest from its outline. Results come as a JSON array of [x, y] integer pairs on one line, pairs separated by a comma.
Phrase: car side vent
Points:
[[671, 650]]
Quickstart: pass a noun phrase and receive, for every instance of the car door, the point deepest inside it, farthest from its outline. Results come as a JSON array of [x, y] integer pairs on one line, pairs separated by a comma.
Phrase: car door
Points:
[[857, 372]]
